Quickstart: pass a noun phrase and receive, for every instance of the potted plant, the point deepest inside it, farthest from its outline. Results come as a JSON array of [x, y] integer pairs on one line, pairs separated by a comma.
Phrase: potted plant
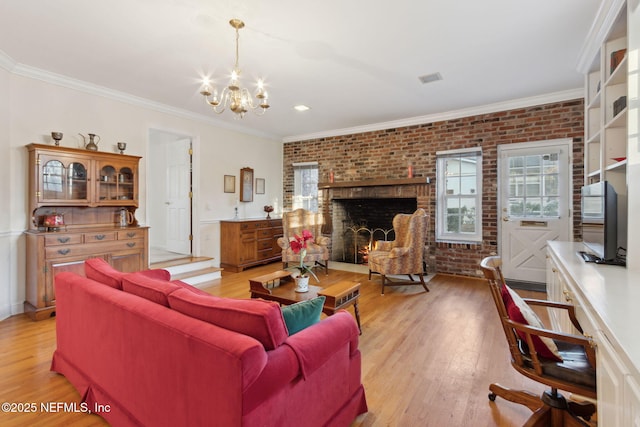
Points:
[[298, 244]]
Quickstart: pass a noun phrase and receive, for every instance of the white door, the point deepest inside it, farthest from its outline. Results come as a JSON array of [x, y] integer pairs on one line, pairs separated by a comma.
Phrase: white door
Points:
[[178, 195], [535, 205]]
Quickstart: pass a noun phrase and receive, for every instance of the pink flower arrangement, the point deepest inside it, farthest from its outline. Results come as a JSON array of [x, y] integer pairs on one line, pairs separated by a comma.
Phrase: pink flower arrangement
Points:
[[299, 243], [299, 246]]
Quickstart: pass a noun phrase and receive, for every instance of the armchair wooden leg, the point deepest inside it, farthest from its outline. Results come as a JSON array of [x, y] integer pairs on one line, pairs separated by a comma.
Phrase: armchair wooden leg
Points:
[[424, 285]]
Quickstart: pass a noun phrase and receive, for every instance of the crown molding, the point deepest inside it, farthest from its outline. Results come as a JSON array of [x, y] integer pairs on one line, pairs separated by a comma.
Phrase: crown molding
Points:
[[602, 24], [16, 68], [449, 115], [6, 61]]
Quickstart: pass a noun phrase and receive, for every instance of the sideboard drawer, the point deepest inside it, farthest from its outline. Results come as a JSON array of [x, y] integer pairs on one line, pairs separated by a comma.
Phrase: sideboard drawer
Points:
[[96, 248], [62, 239], [68, 251], [100, 236], [130, 234]]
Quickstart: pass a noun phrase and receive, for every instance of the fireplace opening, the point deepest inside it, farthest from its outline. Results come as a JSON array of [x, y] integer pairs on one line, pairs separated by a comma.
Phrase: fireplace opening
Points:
[[358, 223]]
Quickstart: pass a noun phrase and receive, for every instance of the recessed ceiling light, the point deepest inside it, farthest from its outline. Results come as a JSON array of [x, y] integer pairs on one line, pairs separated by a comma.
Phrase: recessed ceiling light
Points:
[[301, 107], [428, 78]]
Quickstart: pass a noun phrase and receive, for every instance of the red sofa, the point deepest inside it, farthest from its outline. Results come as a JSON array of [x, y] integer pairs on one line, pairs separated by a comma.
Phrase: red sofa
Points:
[[144, 351]]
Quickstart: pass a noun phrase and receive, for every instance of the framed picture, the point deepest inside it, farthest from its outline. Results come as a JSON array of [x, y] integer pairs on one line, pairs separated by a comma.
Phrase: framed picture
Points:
[[246, 185], [259, 185], [229, 183]]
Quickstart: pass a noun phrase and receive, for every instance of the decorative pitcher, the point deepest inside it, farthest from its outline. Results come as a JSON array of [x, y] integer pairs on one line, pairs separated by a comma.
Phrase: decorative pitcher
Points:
[[92, 145], [126, 217]]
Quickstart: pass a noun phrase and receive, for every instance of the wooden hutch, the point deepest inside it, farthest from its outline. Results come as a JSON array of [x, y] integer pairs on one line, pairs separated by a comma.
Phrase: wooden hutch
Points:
[[82, 205]]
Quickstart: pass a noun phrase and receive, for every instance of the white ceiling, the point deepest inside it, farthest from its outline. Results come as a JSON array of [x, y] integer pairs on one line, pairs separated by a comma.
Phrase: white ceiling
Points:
[[354, 62]]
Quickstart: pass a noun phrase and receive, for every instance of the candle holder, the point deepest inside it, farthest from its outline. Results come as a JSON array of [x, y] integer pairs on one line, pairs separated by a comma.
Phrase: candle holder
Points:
[[122, 146]]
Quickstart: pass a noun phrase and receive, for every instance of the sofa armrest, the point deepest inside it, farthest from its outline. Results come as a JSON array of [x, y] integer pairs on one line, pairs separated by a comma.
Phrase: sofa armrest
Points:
[[314, 345], [158, 273]]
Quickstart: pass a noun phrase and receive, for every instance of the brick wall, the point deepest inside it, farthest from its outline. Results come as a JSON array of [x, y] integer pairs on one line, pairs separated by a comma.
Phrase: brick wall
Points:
[[387, 154]]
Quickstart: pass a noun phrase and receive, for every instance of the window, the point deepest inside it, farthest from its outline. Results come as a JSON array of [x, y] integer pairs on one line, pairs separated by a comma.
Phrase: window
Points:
[[305, 186], [533, 186], [459, 195]]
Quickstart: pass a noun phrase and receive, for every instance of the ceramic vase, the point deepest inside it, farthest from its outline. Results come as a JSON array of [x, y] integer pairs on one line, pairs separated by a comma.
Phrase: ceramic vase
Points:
[[302, 284]]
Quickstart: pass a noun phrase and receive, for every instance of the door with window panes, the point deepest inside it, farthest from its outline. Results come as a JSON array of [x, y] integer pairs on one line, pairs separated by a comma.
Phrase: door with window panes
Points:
[[535, 205]]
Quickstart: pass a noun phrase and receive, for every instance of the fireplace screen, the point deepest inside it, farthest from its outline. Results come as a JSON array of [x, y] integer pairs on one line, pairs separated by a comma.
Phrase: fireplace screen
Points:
[[359, 223]]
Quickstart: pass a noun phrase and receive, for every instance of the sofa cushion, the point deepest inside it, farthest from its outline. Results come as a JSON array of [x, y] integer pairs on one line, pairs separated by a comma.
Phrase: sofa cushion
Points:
[[302, 314], [519, 311], [257, 318], [149, 288], [189, 287], [101, 271]]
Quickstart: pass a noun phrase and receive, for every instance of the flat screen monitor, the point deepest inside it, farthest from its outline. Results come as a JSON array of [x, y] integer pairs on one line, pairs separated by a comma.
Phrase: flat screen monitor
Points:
[[600, 219]]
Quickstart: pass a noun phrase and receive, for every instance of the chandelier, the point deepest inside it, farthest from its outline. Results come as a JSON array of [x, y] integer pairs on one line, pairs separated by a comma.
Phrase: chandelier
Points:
[[235, 97]]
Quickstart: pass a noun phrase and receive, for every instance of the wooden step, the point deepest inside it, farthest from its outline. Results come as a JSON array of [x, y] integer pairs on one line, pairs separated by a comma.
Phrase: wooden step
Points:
[[197, 277], [192, 270], [179, 261]]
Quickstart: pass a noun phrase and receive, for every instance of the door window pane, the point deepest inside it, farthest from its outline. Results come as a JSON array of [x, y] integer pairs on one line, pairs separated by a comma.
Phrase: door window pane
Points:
[[533, 186]]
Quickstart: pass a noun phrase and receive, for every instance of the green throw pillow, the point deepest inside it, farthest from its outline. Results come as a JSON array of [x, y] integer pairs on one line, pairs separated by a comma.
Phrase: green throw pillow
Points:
[[302, 314]]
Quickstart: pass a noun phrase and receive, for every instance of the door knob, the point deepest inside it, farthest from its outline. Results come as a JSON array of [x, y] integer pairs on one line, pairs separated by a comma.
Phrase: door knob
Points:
[[505, 218]]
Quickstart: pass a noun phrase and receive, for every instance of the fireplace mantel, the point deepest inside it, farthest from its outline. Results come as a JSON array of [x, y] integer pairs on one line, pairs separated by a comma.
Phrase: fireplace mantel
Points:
[[374, 189], [372, 183]]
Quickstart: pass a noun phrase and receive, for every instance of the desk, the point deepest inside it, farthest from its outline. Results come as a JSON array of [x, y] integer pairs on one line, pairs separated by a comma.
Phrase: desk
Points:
[[606, 299], [279, 286]]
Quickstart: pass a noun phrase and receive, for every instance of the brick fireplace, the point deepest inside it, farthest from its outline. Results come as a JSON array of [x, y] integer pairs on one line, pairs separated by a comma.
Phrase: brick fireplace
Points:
[[358, 213]]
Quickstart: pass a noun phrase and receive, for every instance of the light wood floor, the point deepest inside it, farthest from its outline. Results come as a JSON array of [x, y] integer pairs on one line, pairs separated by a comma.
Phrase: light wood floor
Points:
[[428, 358]]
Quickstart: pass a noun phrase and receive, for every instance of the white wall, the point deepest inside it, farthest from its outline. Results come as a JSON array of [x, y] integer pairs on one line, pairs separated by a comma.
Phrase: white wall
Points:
[[633, 149], [7, 237], [30, 109]]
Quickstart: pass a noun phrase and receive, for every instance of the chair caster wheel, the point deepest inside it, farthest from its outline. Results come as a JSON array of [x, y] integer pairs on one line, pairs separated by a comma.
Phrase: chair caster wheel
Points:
[[492, 397]]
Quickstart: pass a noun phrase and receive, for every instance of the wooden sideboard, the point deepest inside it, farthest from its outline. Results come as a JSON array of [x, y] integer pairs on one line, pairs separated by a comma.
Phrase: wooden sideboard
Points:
[[49, 253], [249, 242], [606, 299], [88, 192]]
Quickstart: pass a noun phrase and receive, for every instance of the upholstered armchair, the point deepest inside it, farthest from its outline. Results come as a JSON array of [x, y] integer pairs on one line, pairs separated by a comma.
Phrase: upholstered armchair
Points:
[[405, 254], [293, 223]]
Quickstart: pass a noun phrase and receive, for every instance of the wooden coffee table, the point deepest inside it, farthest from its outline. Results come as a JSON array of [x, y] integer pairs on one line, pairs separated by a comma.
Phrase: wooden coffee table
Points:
[[279, 286]]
